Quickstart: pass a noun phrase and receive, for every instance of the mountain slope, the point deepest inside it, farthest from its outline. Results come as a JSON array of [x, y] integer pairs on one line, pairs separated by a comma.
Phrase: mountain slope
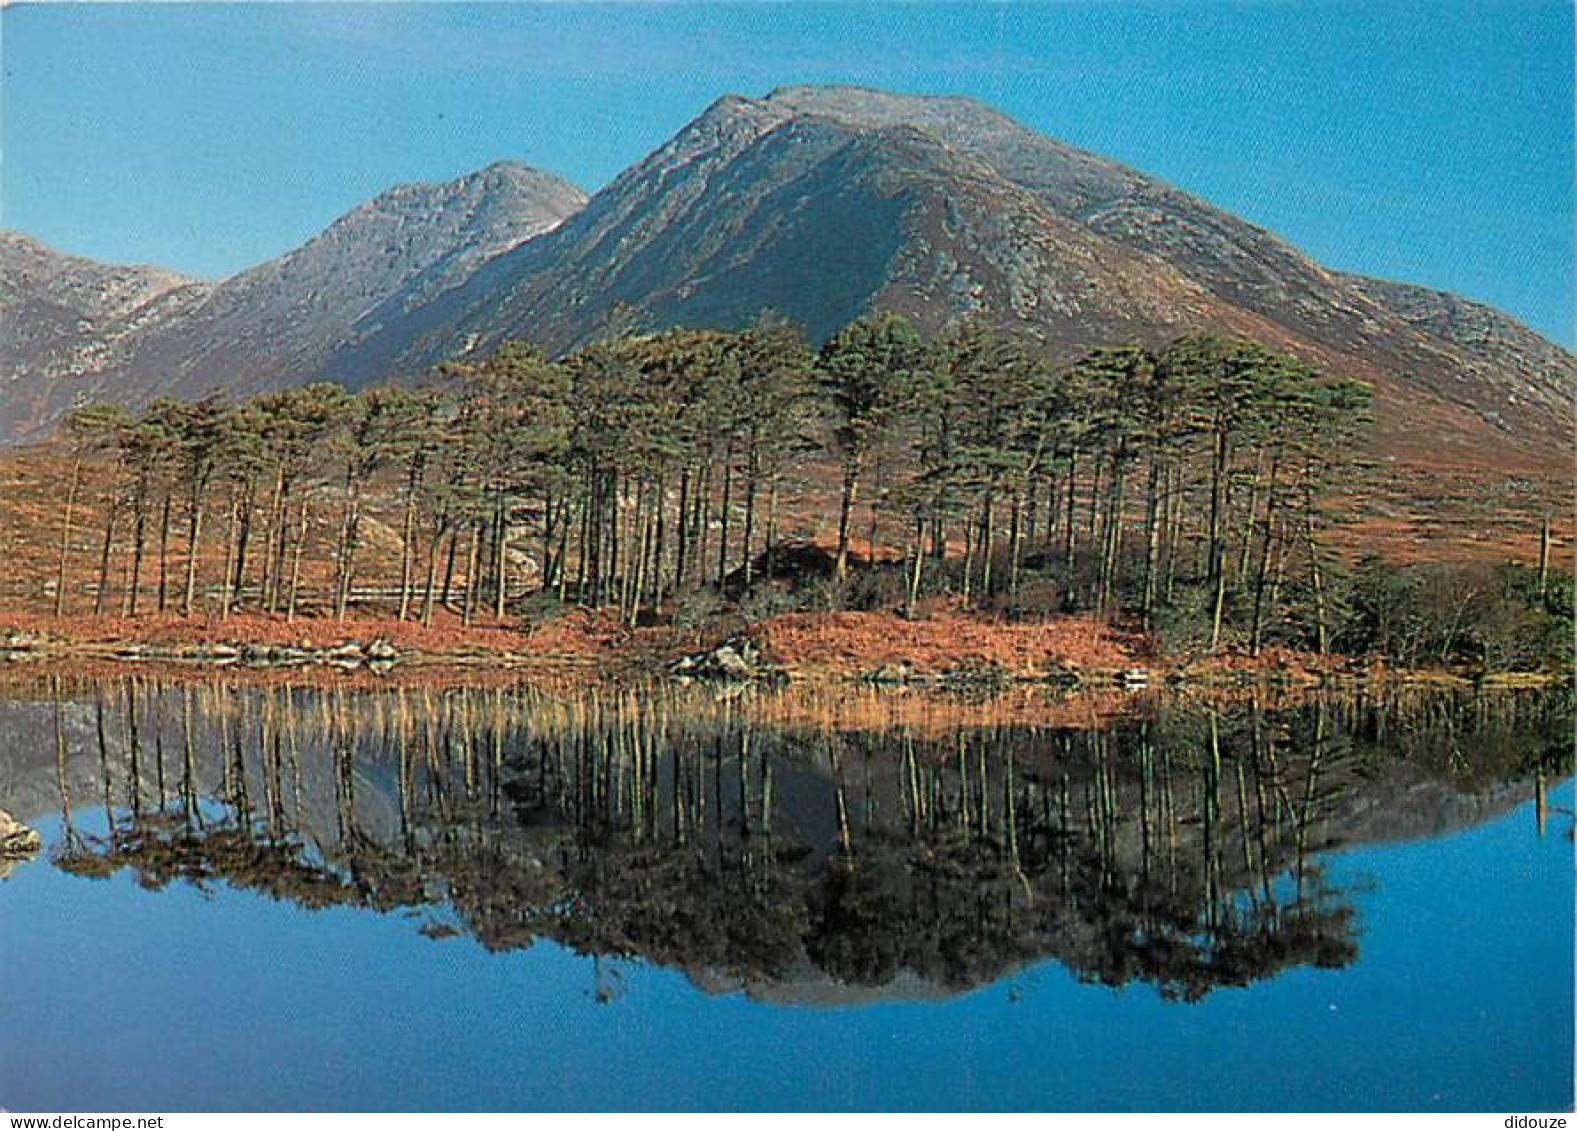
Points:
[[1244, 265], [823, 203], [749, 208], [60, 317], [1495, 349], [296, 314], [281, 322]]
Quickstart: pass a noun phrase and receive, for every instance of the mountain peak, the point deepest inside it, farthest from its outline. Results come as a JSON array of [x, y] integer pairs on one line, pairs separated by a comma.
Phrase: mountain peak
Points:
[[519, 175], [511, 184], [77, 329], [20, 252], [837, 97]]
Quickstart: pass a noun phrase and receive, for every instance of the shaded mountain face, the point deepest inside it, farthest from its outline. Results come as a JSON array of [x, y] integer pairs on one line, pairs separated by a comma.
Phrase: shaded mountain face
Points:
[[823, 203], [756, 205], [1464, 352], [135, 333]]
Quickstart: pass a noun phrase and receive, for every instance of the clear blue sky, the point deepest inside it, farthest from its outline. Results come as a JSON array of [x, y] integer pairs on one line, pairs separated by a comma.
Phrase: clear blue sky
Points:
[[1425, 141]]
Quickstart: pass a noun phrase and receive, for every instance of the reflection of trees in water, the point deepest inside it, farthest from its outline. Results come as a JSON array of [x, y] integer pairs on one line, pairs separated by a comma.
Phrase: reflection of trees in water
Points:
[[1176, 849]]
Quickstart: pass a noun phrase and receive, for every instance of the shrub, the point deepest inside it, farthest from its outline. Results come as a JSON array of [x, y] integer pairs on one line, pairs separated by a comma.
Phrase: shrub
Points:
[[1492, 617], [1182, 625], [695, 608], [877, 588], [1038, 598], [540, 608], [765, 601]]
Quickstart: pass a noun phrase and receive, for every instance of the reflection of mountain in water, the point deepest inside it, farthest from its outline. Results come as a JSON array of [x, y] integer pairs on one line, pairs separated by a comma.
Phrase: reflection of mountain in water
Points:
[[816, 865]]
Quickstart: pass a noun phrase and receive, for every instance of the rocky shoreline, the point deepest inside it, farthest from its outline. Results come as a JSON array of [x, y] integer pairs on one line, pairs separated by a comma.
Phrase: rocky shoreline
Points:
[[377, 655], [737, 660]]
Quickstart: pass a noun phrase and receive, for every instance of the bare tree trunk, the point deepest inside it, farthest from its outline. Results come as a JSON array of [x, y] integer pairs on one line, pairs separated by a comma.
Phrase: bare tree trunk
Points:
[[590, 575], [282, 553], [164, 553], [138, 546], [194, 534], [1217, 608], [851, 486], [104, 558], [1111, 548], [449, 562], [752, 474], [1218, 503], [682, 549], [912, 593], [1280, 550], [350, 532], [640, 564], [723, 516], [1262, 575], [429, 590], [1250, 515], [472, 561], [1152, 542], [772, 527], [1316, 571], [564, 526], [1051, 504], [550, 516], [243, 538], [1174, 527], [273, 536], [703, 528], [500, 565], [626, 578], [969, 556], [870, 542], [1096, 541], [407, 555], [65, 536], [660, 547], [1031, 508], [295, 561], [1068, 546], [615, 520], [987, 543], [1544, 557], [1015, 538], [231, 534]]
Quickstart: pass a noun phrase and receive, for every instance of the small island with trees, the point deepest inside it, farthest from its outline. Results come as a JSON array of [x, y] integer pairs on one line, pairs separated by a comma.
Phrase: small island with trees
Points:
[[886, 506]]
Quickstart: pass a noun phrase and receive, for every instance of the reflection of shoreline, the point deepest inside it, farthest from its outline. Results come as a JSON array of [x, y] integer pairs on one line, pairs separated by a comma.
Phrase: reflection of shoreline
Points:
[[813, 868]]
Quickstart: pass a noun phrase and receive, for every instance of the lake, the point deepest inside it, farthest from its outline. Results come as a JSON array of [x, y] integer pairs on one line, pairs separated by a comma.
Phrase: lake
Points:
[[267, 896]]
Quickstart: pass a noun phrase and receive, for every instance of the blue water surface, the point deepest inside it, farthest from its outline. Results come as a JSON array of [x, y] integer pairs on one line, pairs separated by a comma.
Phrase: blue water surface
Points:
[[180, 999]]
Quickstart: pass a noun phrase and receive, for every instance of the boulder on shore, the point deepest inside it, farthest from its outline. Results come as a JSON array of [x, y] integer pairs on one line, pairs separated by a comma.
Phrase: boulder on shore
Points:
[[737, 660], [16, 839]]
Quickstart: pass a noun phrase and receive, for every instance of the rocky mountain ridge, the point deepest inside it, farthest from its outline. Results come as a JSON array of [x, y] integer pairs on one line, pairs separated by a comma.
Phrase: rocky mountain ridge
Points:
[[820, 203], [823, 203], [76, 331]]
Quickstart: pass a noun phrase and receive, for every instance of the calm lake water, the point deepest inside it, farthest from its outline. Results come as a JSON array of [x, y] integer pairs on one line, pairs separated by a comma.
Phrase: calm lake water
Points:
[[285, 898]]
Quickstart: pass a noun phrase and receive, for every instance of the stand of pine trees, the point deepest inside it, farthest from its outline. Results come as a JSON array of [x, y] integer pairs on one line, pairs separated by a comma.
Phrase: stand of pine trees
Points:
[[1181, 490]]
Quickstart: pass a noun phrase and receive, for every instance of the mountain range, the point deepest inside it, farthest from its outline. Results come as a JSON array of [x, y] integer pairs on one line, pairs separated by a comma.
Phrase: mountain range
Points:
[[818, 202], [72, 330]]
